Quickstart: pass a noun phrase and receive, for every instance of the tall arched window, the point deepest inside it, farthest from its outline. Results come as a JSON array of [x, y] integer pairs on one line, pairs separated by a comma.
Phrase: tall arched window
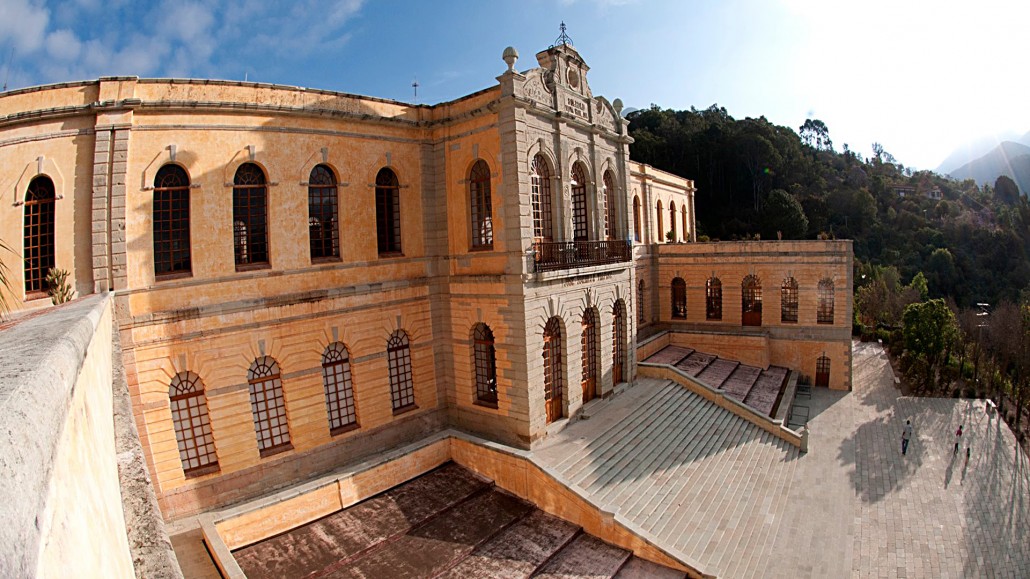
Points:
[[38, 234], [672, 220], [637, 235], [388, 212], [485, 363], [659, 235], [402, 384], [323, 214], [480, 204], [686, 231], [641, 310], [540, 177], [679, 298], [822, 371], [250, 216], [192, 425], [825, 314], [171, 221], [268, 406], [713, 299], [589, 350], [553, 382], [610, 229], [751, 301], [789, 301], [339, 390], [580, 219], [618, 341]]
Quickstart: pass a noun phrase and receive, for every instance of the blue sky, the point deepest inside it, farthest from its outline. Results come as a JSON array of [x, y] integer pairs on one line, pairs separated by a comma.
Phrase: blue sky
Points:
[[919, 77]]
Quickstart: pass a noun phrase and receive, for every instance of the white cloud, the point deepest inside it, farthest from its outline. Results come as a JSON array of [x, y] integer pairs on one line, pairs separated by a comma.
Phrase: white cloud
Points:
[[24, 23], [63, 45]]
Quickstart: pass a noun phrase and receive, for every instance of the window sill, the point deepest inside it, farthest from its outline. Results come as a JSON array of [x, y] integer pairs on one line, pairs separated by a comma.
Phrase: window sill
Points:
[[389, 254], [321, 260], [344, 429], [404, 409], [172, 276], [31, 296], [480, 248], [253, 266], [202, 471], [485, 404], [276, 450]]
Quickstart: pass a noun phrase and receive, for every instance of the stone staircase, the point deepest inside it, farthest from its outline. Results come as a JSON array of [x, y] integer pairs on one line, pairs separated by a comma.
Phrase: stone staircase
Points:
[[446, 523]]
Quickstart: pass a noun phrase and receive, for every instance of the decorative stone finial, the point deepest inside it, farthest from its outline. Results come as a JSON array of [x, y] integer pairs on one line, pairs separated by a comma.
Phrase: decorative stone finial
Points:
[[510, 56], [617, 105]]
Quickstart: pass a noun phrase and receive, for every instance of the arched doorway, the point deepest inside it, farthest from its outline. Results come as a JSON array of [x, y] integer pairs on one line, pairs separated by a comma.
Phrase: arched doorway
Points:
[[751, 301], [822, 371], [589, 342], [619, 345], [553, 370]]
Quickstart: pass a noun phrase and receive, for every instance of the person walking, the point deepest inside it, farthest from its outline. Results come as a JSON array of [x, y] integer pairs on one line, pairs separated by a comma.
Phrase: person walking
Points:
[[906, 435], [958, 440]]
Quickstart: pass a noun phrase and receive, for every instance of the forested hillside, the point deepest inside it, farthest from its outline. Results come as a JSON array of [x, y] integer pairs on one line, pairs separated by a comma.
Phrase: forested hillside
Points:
[[755, 178]]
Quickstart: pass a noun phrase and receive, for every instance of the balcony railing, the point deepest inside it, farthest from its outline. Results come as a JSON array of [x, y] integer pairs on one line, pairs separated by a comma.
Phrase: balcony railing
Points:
[[552, 256]]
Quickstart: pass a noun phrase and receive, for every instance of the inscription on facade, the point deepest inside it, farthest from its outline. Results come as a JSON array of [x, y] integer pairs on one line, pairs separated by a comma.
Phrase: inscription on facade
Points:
[[587, 279], [576, 107]]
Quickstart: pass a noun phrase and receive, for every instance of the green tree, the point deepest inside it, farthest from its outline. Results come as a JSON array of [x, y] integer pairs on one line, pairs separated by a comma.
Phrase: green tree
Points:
[[929, 329], [816, 134], [1006, 190], [784, 214]]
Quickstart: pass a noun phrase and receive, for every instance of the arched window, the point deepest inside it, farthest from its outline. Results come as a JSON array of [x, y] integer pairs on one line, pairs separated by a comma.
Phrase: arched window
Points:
[[580, 219], [339, 390], [402, 385], [672, 220], [589, 350], [751, 301], [250, 216], [323, 214], [641, 315], [388, 212], [636, 218], [610, 229], [686, 231], [171, 221], [618, 342], [679, 298], [479, 199], [789, 301], [39, 234], [713, 299], [553, 383], [661, 224], [192, 425], [485, 362], [540, 176], [268, 406], [825, 313], [822, 371]]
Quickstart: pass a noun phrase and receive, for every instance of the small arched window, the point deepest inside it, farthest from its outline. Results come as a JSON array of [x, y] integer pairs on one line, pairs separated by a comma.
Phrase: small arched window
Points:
[[610, 229], [672, 220], [553, 382], [713, 299], [480, 204], [540, 177], [388, 212], [268, 406], [825, 313], [485, 363], [580, 217], [402, 384], [789, 301], [661, 224], [38, 234], [636, 219], [641, 315], [250, 216], [192, 425], [323, 214], [339, 390], [679, 298], [171, 221], [618, 341], [751, 301]]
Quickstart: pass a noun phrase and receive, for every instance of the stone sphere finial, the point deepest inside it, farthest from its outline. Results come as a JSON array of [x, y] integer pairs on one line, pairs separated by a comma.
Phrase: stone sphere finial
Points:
[[617, 105], [510, 56]]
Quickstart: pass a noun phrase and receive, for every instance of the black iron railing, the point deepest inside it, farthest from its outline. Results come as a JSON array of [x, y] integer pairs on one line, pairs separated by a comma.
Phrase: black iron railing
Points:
[[551, 256]]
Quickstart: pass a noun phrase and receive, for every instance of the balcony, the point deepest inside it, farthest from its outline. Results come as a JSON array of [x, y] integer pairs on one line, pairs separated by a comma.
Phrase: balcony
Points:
[[557, 255]]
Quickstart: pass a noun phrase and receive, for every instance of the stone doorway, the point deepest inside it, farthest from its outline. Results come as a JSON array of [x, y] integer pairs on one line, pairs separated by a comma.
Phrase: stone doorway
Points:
[[589, 343], [553, 370]]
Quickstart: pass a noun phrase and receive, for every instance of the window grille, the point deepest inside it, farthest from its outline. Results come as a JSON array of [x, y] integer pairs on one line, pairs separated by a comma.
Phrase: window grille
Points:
[[679, 298], [171, 221], [323, 214], [637, 235], [339, 390], [580, 227], [789, 301], [388, 212], [39, 234], [540, 177], [268, 406], [825, 314], [192, 425], [485, 362], [250, 216], [713, 299], [751, 301], [553, 382], [482, 213], [402, 387]]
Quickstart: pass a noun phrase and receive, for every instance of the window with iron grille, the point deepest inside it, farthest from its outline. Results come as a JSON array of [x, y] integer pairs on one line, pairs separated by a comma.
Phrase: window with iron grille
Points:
[[482, 212], [388, 212], [589, 344], [641, 312], [485, 363], [751, 300], [192, 425], [789, 301], [402, 386], [609, 206], [268, 406], [580, 229], [171, 221], [540, 178], [553, 383], [679, 298], [339, 391], [672, 220], [661, 224], [39, 234], [825, 313], [250, 216], [323, 214], [713, 299], [636, 219], [822, 365], [618, 340]]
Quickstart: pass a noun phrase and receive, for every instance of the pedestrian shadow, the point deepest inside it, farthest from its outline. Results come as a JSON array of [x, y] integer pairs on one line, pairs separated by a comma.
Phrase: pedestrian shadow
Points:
[[878, 468]]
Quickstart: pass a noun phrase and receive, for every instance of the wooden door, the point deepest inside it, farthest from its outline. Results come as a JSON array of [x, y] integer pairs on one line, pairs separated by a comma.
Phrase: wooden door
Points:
[[822, 371], [552, 370], [589, 343], [619, 339]]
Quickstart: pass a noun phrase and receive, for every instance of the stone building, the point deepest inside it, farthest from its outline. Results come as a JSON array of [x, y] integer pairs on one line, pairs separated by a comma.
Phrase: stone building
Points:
[[303, 278]]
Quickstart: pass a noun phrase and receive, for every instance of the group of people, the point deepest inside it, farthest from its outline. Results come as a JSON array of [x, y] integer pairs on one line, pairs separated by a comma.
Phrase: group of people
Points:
[[906, 436]]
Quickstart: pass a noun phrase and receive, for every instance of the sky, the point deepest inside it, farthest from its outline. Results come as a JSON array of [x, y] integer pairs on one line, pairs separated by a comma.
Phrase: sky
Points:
[[922, 78]]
